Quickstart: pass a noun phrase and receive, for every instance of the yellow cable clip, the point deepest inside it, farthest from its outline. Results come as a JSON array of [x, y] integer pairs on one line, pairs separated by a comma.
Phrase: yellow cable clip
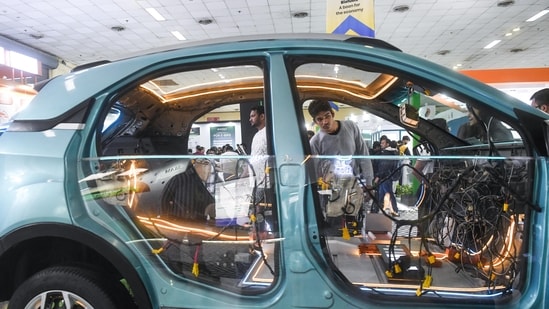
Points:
[[427, 282], [322, 184], [158, 251], [346, 234], [195, 269]]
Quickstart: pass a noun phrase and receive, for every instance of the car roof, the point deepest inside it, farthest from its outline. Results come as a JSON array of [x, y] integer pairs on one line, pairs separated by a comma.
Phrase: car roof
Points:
[[65, 92]]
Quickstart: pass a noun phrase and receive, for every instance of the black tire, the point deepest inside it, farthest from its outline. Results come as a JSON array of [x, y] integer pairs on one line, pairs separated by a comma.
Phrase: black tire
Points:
[[82, 288]]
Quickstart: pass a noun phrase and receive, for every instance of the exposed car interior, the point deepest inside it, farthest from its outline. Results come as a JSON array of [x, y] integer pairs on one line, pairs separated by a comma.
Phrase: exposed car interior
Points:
[[463, 230]]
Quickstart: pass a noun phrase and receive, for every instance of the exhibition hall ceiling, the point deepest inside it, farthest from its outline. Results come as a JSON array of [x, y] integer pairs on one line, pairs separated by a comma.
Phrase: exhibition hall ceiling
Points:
[[453, 33]]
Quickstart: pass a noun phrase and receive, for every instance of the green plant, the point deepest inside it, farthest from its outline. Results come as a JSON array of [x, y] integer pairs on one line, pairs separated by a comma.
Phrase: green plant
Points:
[[404, 190]]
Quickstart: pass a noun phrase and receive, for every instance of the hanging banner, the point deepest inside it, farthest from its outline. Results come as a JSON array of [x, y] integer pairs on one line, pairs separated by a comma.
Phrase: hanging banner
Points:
[[352, 17]]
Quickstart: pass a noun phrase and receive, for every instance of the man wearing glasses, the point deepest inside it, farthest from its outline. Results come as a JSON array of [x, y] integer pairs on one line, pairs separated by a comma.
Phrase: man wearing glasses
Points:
[[540, 100]]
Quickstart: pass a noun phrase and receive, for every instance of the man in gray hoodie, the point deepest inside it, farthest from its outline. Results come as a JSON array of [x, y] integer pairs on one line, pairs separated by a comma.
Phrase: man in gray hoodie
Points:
[[340, 138]]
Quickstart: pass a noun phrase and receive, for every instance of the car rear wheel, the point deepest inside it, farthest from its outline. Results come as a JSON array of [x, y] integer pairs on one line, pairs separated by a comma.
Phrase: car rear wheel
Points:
[[69, 288]]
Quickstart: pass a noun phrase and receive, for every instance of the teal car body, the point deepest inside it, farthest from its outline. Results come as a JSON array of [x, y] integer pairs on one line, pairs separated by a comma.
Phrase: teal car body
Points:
[[85, 198]]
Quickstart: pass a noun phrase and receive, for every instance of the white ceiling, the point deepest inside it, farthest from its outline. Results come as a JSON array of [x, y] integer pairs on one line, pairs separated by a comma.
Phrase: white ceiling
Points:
[[80, 31]]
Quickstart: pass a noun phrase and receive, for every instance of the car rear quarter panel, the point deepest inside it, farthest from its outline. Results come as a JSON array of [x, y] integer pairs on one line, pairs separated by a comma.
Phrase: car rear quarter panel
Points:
[[32, 182]]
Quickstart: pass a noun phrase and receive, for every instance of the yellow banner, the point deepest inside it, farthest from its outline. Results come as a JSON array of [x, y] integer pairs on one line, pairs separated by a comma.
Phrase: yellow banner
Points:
[[353, 17]]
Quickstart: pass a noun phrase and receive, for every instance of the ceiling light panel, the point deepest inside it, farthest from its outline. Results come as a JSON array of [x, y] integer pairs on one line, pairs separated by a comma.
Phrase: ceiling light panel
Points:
[[538, 15], [155, 14], [492, 44], [178, 35]]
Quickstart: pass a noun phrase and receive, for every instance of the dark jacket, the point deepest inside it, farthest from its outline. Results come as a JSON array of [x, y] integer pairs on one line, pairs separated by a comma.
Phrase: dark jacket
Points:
[[384, 168]]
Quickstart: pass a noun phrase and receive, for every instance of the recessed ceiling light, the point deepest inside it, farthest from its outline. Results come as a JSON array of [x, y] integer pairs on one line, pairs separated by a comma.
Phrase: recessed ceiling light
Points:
[[401, 8], [118, 28], [300, 14], [538, 15], [492, 44], [37, 36], [443, 52], [205, 21], [517, 50], [155, 14], [178, 35]]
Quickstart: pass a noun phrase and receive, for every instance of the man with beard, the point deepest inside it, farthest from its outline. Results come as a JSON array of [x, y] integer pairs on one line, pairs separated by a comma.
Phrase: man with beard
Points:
[[264, 212], [540, 100]]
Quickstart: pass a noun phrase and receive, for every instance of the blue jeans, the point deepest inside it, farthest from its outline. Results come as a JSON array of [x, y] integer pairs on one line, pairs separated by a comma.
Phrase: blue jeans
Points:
[[387, 187]]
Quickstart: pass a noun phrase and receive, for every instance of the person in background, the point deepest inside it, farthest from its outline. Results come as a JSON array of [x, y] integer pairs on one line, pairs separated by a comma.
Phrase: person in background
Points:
[[310, 134], [259, 161], [258, 150], [480, 125], [376, 148], [228, 166], [199, 150], [375, 151], [398, 145], [403, 149], [384, 168], [540, 100]]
